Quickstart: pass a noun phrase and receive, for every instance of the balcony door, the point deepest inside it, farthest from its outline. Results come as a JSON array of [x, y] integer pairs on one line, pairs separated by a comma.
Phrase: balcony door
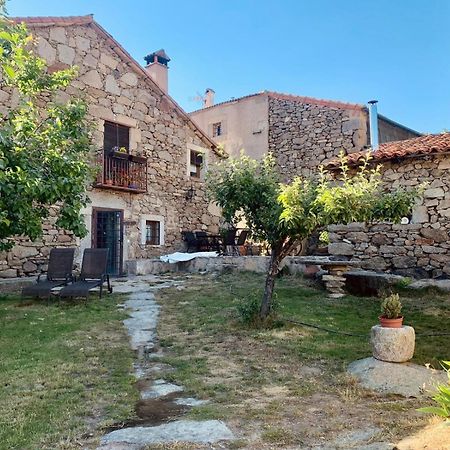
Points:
[[107, 232]]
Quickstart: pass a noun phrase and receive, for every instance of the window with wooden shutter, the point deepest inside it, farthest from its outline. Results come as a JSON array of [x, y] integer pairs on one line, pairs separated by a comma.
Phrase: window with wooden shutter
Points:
[[153, 232], [196, 164], [116, 135]]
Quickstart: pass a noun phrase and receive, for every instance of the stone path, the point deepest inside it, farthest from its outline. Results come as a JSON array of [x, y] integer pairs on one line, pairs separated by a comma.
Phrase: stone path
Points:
[[141, 325]]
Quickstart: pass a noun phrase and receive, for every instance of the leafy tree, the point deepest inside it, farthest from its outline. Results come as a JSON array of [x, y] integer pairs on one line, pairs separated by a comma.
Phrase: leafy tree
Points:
[[44, 145], [283, 214]]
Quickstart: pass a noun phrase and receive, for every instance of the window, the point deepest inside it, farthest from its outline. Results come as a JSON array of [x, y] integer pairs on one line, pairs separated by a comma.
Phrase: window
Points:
[[196, 162], [152, 232], [116, 135], [217, 129]]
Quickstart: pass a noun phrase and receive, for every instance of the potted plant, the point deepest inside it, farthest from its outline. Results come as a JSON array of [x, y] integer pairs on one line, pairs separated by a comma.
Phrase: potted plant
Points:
[[391, 308], [119, 152]]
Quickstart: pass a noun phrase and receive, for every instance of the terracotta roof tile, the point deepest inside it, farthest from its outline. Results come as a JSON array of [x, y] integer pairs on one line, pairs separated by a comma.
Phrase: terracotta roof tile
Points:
[[422, 145], [315, 101], [294, 98]]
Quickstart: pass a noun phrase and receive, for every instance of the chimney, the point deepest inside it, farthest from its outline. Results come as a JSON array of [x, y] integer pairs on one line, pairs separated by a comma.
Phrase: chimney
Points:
[[157, 68], [373, 124], [208, 99]]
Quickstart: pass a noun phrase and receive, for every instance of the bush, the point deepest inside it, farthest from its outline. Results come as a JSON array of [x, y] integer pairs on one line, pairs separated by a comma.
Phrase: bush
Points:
[[441, 397], [248, 309]]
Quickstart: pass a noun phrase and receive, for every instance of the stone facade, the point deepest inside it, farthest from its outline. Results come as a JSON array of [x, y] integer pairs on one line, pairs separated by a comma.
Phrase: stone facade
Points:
[[301, 132], [420, 248], [304, 135], [118, 90]]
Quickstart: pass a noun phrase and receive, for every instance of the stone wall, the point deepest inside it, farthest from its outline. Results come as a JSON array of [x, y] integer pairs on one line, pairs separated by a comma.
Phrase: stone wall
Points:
[[117, 92], [420, 248], [302, 136]]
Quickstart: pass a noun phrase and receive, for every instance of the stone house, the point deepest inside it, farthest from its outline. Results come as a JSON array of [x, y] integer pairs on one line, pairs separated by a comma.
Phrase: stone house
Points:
[[420, 248], [151, 155], [301, 132]]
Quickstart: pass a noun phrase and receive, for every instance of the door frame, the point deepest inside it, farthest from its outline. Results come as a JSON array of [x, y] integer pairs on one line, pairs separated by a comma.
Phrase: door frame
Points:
[[95, 209]]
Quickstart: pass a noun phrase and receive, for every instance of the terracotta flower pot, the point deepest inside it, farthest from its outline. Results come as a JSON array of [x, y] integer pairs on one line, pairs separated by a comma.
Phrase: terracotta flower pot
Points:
[[391, 323]]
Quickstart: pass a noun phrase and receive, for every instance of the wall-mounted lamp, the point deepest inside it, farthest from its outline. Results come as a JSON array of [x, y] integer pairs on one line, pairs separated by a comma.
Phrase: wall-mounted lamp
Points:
[[190, 193]]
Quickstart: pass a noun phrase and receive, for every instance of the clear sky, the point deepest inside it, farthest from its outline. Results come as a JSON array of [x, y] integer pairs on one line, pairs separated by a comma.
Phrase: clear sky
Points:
[[396, 51]]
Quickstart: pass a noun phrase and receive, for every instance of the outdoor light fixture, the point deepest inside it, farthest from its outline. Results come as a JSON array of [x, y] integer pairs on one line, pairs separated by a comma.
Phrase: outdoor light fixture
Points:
[[190, 193]]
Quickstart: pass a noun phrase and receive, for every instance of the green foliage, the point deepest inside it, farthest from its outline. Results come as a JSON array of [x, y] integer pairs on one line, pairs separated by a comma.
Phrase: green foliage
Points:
[[283, 214], [441, 397], [356, 197], [391, 307], [248, 308], [324, 237], [44, 145], [245, 188]]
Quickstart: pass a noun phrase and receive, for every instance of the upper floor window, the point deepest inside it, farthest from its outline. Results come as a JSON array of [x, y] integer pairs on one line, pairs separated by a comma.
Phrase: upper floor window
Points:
[[153, 232], [196, 162], [217, 129], [116, 136]]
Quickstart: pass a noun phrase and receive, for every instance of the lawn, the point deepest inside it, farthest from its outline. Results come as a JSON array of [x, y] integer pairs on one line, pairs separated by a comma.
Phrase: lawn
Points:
[[64, 372], [287, 385]]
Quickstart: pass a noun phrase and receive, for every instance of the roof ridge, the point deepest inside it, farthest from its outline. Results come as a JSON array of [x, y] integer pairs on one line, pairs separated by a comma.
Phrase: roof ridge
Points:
[[315, 100], [60, 20], [293, 97]]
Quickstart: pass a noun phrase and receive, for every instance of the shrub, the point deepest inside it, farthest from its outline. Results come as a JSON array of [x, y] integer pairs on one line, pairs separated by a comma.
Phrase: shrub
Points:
[[391, 307], [441, 397], [248, 309]]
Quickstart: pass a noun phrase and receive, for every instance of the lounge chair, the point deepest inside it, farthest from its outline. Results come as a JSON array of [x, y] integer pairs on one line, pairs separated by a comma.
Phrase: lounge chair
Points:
[[241, 243], [59, 273], [93, 274]]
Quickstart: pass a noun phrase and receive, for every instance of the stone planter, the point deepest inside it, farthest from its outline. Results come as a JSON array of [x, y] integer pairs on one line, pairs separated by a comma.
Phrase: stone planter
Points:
[[392, 344]]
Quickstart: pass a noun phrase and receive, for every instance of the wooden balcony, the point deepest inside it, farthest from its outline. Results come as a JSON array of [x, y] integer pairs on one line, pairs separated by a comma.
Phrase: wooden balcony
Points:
[[122, 172]]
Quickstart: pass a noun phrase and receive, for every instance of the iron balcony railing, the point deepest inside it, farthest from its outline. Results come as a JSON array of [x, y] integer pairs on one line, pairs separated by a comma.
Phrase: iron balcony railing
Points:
[[122, 171]]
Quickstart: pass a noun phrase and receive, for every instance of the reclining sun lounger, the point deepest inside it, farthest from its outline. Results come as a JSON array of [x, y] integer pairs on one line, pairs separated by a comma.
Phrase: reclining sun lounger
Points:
[[59, 273], [93, 274]]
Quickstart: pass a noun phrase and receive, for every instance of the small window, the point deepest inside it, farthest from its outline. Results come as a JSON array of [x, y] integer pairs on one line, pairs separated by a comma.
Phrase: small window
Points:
[[153, 232], [217, 129], [196, 164], [116, 136]]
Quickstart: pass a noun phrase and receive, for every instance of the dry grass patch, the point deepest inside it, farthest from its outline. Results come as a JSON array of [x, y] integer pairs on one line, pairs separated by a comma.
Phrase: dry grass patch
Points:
[[285, 386]]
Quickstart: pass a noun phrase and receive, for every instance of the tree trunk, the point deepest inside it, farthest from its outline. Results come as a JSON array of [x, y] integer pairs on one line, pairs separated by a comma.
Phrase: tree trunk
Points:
[[266, 305], [279, 252]]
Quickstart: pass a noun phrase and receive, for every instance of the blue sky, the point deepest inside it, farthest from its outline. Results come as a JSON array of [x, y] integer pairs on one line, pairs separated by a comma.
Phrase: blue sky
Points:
[[349, 50]]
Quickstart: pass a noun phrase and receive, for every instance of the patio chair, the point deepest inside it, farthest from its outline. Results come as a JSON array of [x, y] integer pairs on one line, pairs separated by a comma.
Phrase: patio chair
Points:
[[229, 242], [241, 242], [59, 273], [191, 241], [202, 240], [93, 274]]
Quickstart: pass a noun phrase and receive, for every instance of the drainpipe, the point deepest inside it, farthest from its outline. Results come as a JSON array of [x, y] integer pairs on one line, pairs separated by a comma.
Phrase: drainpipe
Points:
[[373, 124]]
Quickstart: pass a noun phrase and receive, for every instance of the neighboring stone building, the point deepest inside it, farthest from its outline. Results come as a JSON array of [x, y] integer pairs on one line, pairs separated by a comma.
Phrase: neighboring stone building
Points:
[[301, 132], [422, 247], [152, 156]]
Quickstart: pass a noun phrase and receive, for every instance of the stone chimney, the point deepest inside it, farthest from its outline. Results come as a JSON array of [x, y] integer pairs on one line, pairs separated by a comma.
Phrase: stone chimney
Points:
[[208, 99], [157, 68]]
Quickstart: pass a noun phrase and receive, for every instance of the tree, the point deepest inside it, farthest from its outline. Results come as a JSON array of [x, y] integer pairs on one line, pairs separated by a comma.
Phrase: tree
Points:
[[44, 144], [283, 214]]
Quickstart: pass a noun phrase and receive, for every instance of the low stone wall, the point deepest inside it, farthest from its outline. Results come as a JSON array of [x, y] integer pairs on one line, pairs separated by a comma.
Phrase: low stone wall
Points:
[[415, 250], [258, 264]]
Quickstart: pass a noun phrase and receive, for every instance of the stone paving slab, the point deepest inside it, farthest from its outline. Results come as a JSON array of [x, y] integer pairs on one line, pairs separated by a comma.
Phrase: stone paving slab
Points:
[[160, 388], [203, 432], [407, 379]]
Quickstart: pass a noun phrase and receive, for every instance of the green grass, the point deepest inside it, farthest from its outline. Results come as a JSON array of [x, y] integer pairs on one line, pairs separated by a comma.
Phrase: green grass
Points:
[[64, 372], [270, 376]]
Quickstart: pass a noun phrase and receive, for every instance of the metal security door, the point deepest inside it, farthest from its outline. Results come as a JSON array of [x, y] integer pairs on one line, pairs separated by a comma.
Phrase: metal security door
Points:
[[108, 233]]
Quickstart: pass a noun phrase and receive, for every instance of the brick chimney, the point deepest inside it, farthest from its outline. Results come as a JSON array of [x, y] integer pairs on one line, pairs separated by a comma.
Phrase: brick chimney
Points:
[[157, 68], [208, 99]]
